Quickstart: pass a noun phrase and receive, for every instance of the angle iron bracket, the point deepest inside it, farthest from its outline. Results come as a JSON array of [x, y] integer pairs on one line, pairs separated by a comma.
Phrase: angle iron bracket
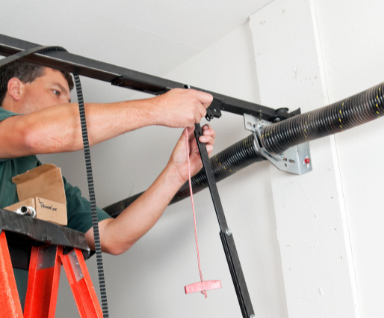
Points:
[[296, 160]]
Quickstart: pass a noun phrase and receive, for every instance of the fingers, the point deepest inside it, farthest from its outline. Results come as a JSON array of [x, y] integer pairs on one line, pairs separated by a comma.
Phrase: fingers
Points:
[[208, 136], [180, 107], [204, 98], [179, 154], [200, 101]]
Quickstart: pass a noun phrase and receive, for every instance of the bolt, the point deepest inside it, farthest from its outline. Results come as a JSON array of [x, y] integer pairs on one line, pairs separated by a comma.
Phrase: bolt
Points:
[[228, 232], [252, 316]]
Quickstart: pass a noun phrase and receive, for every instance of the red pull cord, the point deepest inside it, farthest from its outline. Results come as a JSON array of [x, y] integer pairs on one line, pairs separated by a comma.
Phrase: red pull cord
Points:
[[204, 292], [202, 286]]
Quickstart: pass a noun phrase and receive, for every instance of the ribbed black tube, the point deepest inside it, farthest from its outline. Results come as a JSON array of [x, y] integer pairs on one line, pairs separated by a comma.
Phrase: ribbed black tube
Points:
[[227, 162], [345, 114], [276, 138]]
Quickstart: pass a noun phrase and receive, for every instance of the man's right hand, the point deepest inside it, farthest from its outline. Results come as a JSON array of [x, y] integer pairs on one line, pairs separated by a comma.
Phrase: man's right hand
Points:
[[181, 107]]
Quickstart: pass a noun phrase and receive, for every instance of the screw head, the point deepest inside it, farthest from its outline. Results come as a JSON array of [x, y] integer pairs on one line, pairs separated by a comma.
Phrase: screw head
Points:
[[228, 232]]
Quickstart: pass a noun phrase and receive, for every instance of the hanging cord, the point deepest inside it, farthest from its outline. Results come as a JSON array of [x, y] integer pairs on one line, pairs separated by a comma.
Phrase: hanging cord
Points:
[[204, 292], [92, 199]]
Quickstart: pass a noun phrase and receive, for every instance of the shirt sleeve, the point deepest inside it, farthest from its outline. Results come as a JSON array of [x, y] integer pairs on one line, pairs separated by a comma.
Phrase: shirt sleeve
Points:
[[4, 114]]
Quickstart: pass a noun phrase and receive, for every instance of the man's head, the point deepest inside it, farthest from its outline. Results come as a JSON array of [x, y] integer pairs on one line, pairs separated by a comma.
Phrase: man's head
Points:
[[19, 79]]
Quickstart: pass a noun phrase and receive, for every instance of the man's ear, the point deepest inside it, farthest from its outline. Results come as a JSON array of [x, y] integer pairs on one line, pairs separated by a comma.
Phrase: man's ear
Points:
[[15, 88]]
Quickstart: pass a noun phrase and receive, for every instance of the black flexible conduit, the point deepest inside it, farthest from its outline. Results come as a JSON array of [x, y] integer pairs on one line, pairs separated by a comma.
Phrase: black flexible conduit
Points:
[[345, 114], [276, 138], [92, 198]]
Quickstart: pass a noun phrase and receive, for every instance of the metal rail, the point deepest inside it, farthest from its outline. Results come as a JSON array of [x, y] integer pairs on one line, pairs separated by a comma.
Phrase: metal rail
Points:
[[127, 78]]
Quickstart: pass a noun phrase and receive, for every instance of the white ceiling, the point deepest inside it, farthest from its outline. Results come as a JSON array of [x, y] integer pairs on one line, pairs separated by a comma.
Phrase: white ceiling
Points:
[[145, 35]]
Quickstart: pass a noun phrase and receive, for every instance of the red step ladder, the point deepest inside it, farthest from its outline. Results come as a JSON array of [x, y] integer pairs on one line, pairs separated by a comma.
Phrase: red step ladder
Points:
[[43, 280]]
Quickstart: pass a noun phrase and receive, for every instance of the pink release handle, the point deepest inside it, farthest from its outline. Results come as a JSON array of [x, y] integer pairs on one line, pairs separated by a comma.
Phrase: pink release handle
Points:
[[202, 286]]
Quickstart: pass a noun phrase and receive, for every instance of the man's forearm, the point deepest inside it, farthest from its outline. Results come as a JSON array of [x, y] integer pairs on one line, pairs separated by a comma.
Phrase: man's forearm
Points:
[[57, 128], [118, 235]]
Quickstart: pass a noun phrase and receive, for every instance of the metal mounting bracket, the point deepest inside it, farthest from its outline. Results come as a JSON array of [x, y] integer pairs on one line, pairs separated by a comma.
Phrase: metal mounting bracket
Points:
[[296, 160]]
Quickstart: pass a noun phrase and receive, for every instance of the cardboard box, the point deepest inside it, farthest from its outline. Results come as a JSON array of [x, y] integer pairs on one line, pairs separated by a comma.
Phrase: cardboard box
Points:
[[43, 189]]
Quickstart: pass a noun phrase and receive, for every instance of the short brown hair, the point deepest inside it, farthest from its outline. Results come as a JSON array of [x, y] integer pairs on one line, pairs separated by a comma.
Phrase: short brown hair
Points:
[[25, 72]]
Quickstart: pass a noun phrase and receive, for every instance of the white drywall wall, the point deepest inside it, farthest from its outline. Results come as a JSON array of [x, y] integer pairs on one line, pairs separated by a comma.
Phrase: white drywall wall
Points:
[[309, 54], [314, 247], [353, 48]]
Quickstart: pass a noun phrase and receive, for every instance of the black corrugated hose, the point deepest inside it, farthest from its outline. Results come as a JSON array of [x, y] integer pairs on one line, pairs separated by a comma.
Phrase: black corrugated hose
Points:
[[345, 114], [278, 137]]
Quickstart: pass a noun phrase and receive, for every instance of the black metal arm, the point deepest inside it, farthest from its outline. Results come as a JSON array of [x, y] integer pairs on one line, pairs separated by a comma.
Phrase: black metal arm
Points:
[[127, 78]]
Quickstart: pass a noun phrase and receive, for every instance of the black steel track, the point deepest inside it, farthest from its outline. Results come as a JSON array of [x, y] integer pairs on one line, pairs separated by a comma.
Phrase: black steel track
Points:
[[131, 79]]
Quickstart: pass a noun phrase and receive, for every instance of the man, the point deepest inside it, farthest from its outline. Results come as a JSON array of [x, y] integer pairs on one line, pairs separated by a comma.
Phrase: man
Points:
[[37, 117]]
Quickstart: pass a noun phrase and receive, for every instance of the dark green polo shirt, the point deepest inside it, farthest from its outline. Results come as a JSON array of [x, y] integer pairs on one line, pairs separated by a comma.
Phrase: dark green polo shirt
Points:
[[78, 208]]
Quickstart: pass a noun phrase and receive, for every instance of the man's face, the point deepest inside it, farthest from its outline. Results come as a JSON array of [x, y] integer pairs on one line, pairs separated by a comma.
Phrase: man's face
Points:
[[47, 90]]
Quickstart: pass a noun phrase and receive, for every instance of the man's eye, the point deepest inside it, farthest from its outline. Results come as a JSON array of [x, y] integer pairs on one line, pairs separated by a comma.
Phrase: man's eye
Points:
[[56, 92]]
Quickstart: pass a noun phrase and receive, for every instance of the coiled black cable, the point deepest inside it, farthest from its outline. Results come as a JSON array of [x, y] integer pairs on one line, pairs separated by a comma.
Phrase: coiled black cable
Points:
[[342, 115]]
